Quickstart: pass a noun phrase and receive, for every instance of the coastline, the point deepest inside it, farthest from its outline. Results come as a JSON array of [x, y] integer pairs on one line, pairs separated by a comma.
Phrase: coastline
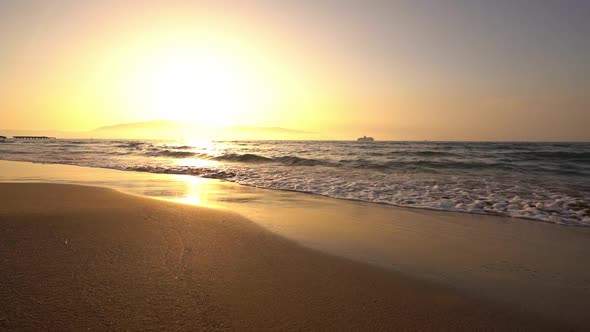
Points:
[[521, 265], [84, 257]]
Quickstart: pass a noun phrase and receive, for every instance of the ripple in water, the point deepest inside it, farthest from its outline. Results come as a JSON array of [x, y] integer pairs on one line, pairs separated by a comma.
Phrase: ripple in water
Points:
[[542, 181]]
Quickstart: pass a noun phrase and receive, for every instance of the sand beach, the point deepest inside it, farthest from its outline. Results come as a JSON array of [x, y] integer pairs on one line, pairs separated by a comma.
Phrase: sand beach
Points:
[[200, 165], [76, 257]]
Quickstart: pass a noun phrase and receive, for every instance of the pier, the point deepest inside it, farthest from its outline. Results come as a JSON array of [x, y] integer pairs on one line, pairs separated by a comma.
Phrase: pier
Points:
[[33, 137]]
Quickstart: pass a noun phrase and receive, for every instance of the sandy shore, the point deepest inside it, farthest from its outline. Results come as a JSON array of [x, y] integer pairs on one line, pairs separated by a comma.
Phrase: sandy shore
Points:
[[76, 257], [522, 264]]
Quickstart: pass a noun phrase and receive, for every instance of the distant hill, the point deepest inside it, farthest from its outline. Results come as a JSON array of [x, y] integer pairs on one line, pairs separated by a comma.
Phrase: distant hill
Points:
[[147, 125], [179, 130], [150, 129], [164, 129], [51, 133]]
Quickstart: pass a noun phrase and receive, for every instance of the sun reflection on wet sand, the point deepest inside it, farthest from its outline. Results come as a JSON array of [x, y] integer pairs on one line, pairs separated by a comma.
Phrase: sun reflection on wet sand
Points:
[[197, 191], [178, 188]]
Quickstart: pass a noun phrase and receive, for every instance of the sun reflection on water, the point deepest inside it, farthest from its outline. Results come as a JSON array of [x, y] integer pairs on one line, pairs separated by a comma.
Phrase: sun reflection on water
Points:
[[197, 191]]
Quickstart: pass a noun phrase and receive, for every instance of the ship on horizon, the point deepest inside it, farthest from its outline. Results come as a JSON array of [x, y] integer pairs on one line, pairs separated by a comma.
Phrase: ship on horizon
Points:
[[365, 139]]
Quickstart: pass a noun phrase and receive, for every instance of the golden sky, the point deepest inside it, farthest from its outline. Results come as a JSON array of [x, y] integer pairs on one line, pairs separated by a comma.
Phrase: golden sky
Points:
[[436, 70]]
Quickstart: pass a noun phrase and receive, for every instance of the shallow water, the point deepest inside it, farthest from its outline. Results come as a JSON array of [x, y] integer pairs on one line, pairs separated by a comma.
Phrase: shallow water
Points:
[[541, 181]]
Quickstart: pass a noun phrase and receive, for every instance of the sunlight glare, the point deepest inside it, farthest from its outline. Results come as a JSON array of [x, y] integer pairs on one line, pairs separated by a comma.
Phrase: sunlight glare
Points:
[[197, 192], [201, 86]]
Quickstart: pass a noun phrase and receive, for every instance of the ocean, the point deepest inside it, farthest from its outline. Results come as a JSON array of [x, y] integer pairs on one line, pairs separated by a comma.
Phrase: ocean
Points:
[[548, 182]]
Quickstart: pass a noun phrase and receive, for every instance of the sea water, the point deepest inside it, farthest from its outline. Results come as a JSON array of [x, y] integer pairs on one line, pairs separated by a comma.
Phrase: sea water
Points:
[[542, 181]]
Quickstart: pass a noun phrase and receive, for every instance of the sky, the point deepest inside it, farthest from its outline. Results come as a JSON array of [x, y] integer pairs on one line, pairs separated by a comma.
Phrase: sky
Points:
[[395, 70]]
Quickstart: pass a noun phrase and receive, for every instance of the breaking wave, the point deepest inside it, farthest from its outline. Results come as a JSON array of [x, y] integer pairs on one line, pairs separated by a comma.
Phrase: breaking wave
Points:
[[542, 181]]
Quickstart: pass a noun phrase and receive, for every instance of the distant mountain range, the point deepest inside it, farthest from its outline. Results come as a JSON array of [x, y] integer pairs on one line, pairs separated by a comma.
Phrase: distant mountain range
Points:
[[165, 129], [148, 125], [174, 129]]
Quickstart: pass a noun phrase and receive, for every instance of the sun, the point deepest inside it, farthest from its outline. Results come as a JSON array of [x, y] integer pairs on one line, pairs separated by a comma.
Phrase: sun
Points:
[[202, 86]]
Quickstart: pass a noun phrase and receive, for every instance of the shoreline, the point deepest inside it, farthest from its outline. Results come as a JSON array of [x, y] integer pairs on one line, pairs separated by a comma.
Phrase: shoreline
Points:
[[88, 257], [517, 263], [579, 223]]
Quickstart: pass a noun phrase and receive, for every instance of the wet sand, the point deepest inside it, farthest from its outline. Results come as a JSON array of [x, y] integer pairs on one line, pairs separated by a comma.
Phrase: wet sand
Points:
[[75, 257]]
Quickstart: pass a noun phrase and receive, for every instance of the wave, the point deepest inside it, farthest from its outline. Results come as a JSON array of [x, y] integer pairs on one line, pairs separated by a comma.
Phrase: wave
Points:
[[178, 147], [431, 153], [170, 153], [244, 158], [421, 153], [135, 145], [284, 160], [398, 160], [422, 164], [64, 142], [182, 170], [179, 152], [560, 155], [297, 161], [14, 152], [467, 177]]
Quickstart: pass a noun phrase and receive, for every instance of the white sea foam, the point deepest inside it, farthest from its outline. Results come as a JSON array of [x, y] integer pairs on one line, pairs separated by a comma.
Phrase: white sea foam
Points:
[[541, 181]]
